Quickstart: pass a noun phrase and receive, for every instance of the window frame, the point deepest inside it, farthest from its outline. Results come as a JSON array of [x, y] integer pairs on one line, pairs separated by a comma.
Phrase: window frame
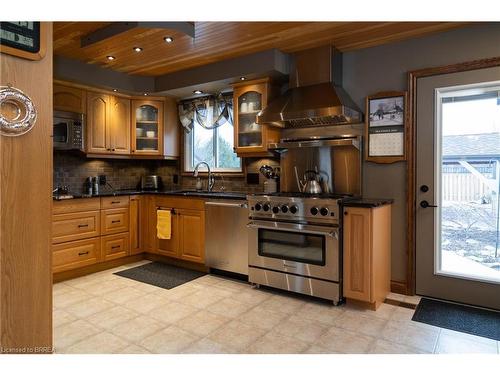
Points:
[[202, 170]]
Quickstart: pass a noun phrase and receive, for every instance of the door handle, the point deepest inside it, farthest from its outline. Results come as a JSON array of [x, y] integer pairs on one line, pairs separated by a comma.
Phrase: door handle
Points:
[[425, 204]]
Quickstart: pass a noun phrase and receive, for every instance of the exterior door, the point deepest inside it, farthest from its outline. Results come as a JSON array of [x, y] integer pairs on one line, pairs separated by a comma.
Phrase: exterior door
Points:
[[457, 177]]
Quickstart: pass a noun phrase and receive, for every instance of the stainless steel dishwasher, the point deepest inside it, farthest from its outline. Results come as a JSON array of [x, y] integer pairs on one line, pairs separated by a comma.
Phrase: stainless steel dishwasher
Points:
[[226, 238]]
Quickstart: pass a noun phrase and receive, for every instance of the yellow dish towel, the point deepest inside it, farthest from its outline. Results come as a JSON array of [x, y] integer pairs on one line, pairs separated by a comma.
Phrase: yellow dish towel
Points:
[[163, 224]]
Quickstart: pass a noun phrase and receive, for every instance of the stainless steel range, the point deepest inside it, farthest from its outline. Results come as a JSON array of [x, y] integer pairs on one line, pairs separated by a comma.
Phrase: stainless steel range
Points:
[[295, 243]]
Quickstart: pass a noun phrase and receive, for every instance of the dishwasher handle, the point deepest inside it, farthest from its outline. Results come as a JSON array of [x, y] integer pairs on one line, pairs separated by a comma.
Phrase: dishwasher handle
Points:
[[224, 204]]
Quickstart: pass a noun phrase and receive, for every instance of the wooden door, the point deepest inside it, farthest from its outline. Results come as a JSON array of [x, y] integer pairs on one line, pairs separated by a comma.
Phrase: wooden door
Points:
[[98, 110], [171, 247], [192, 235], [70, 99], [136, 219], [25, 210], [119, 129], [357, 253], [149, 225]]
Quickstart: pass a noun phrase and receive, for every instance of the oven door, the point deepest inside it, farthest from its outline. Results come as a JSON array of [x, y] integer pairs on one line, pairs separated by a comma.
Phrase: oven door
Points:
[[305, 250], [62, 133]]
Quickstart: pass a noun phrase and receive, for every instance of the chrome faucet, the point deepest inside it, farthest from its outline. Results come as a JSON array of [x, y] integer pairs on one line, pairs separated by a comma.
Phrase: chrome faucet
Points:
[[211, 179]]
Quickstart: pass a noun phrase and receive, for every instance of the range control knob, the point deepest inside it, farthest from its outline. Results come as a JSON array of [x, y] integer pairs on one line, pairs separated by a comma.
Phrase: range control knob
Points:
[[284, 208], [276, 209], [258, 206], [294, 209], [314, 210], [323, 211], [266, 207]]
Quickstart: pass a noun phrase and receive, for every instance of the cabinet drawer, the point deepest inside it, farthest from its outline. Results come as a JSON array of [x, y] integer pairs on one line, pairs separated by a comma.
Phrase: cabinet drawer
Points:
[[75, 226], [75, 205], [115, 246], [114, 202], [75, 254], [114, 221]]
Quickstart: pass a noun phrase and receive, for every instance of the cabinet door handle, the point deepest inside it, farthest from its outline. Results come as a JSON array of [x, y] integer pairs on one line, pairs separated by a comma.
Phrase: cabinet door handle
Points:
[[83, 253], [115, 247], [83, 225], [115, 221]]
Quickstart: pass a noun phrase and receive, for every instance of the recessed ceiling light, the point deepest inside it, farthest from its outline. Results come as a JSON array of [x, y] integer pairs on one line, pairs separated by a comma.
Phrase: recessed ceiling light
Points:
[[115, 90], [137, 49], [197, 92], [243, 78], [110, 57], [168, 39], [145, 94]]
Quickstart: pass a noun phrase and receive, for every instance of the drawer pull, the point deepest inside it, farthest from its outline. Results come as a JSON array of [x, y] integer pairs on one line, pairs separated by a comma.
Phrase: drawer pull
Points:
[[115, 221], [83, 225], [115, 202], [84, 253], [116, 247]]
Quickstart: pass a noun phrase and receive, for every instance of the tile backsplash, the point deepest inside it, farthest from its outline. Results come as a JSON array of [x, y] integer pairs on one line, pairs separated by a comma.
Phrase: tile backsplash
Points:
[[72, 170]]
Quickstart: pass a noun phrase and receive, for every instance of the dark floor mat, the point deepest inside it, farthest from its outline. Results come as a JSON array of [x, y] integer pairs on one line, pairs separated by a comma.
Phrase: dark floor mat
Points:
[[161, 275], [460, 318]]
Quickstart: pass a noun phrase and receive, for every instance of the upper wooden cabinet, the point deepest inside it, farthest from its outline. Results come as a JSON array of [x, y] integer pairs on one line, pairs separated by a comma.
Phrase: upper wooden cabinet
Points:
[[251, 139], [367, 254], [108, 124], [147, 127], [69, 99]]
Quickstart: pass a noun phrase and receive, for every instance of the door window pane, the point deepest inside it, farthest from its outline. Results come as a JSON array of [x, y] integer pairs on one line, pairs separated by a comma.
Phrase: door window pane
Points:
[[469, 180]]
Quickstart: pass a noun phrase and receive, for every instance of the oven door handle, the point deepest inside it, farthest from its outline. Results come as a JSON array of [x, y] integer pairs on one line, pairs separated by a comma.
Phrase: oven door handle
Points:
[[331, 233]]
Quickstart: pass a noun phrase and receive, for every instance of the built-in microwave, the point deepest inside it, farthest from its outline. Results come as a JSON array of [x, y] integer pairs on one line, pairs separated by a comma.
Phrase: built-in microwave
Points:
[[68, 131]]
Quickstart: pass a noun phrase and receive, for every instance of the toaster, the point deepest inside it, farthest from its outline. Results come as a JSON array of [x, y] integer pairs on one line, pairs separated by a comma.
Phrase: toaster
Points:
[[151, 183]]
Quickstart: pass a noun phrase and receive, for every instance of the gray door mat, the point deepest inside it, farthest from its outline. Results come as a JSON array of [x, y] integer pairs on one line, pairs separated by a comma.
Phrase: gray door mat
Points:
[[467, 319], [160, 275]]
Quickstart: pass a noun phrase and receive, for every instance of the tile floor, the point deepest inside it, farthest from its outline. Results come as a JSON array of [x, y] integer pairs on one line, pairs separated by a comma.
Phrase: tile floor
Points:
[[105, 313]]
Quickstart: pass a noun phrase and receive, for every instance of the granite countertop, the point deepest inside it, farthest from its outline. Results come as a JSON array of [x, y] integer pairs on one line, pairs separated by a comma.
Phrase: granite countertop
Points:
[[368, 202], [184, 193]]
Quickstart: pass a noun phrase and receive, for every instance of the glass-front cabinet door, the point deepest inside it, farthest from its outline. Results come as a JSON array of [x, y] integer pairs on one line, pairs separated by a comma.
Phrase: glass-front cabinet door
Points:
[[250, 138], [147, 129], [249, 132]]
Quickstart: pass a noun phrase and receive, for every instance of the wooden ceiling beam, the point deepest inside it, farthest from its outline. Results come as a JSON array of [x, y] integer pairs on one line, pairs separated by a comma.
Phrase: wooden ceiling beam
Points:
[[116, 28]]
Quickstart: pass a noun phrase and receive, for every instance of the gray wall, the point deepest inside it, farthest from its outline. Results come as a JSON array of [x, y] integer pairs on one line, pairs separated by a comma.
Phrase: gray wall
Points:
[[383, 68]]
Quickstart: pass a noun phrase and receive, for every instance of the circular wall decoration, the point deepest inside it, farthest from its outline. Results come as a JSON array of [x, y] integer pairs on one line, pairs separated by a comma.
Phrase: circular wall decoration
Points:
[[17, 112]]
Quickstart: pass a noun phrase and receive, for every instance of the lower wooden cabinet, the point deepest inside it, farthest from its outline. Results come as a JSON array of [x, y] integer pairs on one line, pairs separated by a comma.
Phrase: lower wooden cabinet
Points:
[[191, 233], [76, 254], [367, 254], [115, 246], [75, 226], [115, 220], [187, 241], [136, 214]]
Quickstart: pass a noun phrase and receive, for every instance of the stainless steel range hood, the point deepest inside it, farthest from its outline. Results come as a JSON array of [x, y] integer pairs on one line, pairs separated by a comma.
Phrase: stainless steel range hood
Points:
[[315, 96]]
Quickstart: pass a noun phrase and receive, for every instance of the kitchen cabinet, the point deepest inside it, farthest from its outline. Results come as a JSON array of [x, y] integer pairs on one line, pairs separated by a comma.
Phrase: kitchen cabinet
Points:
[[75, 226], [75, 254], [367, 254], [136, 213], [187, 240], [114, 220], [250, 138], [147, 127], [69, 99], [115, 246], [90, 230], [108, 124]]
